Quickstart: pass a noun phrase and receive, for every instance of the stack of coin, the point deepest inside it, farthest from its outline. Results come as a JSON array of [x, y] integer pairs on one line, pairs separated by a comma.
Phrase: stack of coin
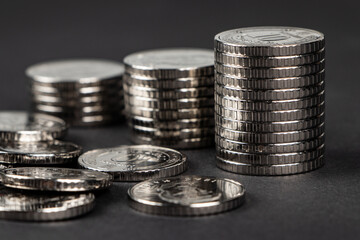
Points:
[[169, 97], [84, 92], [269, 100]]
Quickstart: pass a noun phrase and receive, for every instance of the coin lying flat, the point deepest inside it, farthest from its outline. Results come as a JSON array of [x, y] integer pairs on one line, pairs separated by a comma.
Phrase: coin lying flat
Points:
[[24, 206], [171, 63], [186, 196], [21, 126], [54, 179], [135, 163], [187, 143], [38, 153], [269, 41]]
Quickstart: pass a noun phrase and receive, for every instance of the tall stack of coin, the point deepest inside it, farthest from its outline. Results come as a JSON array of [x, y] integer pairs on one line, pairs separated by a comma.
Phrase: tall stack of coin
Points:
[[84, 92], [169, 97], [269, 100]]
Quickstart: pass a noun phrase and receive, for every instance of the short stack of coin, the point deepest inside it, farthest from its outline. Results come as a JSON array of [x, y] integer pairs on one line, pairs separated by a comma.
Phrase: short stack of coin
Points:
[[169, 97], [269, 100], [83, 92]]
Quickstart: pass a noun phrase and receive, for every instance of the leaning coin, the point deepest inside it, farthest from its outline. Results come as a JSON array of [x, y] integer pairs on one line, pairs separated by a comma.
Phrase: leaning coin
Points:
[[276, 169], [187, 143], [21, 126], [171, 63], [269, 41], [39, 153], [25, 206], [135, 163], [55, 179], [186, 196], [270, 83]]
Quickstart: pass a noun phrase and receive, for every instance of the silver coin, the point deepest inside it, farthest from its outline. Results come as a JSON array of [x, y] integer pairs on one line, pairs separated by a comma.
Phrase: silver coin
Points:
[[21, 126], [55, 179], [274, 137], [137, 101], [25, 206], [172, 125], [270, 159], [277, 105], [269, 95], [269, 41], [2, 166], [79, 110], [171, 63], [284, 126], [92, 121], [170, 94], [269, 170], [38, 153], [189, 82], [278, 72], [170, 114], [270, 83], [184, 133], [273, 148], [190, 143], [186, 196], [99, 99], [263, 62], [135, 163], [270, 116], [85, 71]]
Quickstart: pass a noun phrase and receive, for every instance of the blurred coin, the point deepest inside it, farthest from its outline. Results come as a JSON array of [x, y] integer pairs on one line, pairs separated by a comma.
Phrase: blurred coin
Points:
[[186, 196], [135, 163], [189, 143]]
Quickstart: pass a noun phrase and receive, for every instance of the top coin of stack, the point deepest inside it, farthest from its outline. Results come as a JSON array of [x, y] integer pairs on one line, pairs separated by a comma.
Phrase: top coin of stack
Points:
[[269, 100], [169, 97], [84, 92]]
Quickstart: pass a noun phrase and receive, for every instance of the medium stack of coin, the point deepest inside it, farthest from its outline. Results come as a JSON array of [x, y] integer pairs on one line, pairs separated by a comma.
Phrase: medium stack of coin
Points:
[[169, 97], [83, 92], [269, 100]]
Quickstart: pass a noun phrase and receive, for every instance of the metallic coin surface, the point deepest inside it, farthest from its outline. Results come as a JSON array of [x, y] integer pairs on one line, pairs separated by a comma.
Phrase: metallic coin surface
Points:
[[25, 206], [264, 62], [171, 63], [39, 153], [187, 143], [55, 179], [21, 126], [186, 196], [269, 170], [75, 70], [269, 41], [135, 163]]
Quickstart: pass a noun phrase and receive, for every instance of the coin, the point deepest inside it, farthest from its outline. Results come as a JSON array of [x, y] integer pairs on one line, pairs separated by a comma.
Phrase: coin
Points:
[[84, 71], [25, 206], [39, 153], [135, 163], [270, 83], [175, 83], [289, 147], [186, 196], [54, 179], [189, 143], [269, 41], [79, 110], [262, 62], [171, 63], [280, 169], [21, 126]]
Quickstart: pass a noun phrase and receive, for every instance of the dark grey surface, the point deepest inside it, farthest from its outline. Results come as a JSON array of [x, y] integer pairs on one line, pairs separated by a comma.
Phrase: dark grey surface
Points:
[[323, 204]]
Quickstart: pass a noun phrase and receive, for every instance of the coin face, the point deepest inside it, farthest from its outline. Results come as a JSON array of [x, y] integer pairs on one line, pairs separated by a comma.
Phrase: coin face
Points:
[[134, 162], [269, 36], [55, 179], [189, 195], [43, 207], [181, 58], [76, 70]]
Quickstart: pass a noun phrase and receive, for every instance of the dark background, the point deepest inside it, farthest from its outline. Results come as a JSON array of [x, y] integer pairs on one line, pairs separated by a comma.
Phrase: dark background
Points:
[[323, 204]]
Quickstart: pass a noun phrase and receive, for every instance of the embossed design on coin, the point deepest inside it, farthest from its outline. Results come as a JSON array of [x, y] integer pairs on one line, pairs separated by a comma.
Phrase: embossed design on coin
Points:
[[189, 195], [134, 163]]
